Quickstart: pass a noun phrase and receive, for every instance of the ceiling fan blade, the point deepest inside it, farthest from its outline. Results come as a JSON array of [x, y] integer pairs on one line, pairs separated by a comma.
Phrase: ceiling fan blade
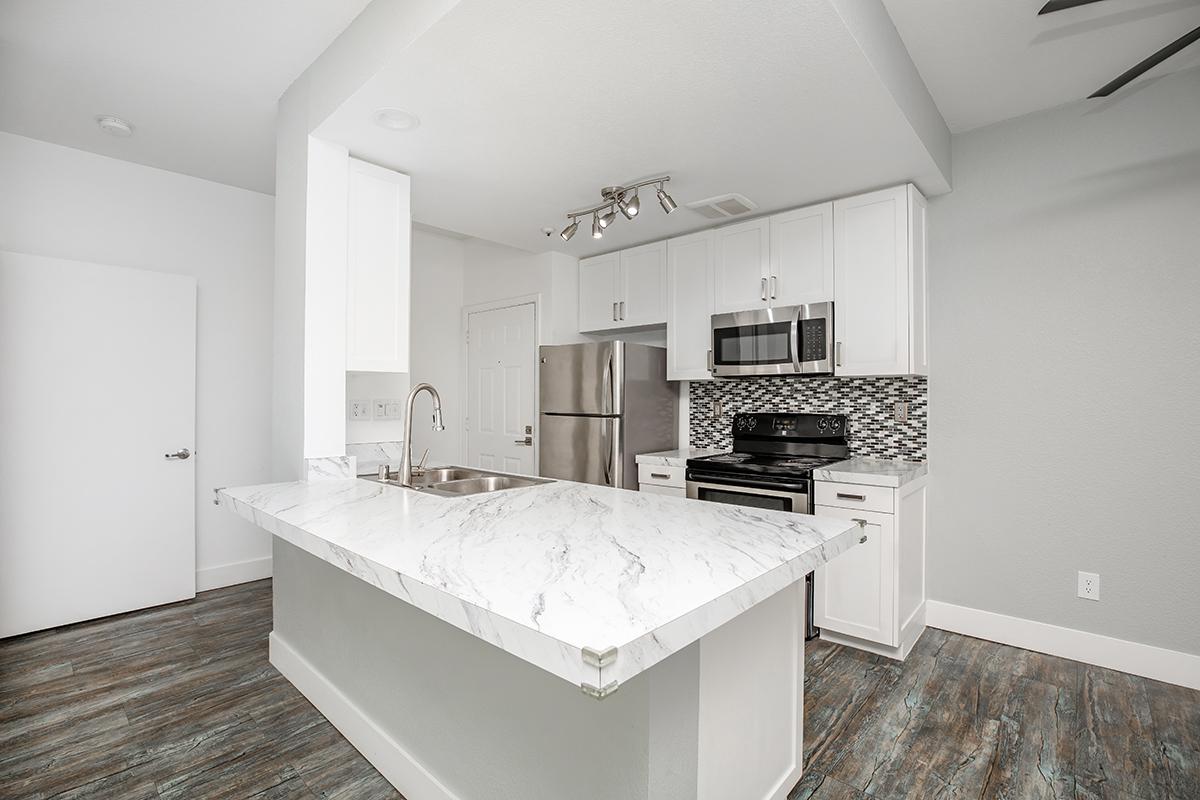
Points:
[[1148, 64], [1062, 5]]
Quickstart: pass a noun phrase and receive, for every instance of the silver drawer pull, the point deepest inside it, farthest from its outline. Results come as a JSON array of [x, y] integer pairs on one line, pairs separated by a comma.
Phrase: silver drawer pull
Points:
[[859, 497], [660, 476]]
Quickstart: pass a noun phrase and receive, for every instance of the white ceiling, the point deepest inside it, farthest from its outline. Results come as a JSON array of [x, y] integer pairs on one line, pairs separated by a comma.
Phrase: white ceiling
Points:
[[526, 114], [990, 60], [198, 80]]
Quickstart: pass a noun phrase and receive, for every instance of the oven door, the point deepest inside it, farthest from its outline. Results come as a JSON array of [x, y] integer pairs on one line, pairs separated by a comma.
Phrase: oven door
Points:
[[789, 340], [774, 495]]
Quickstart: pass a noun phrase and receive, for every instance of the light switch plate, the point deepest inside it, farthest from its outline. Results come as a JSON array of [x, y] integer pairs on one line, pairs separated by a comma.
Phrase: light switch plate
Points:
[[388, 408]]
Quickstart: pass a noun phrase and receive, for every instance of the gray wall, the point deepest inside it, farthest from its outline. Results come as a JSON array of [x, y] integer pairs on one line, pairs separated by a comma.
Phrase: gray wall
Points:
[[1064, 401]]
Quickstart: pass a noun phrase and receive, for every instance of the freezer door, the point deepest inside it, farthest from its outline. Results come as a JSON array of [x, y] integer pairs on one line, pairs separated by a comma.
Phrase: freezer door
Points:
[[584, 449], [581, 378]]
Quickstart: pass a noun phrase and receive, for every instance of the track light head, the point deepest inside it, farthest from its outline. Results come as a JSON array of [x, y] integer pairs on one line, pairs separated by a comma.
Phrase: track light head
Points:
[[607, 218], [569, 231], [630, 206], [664, 200], [597, 228]]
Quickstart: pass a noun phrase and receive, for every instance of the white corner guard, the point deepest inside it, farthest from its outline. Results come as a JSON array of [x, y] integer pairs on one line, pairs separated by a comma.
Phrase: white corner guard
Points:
[[385, 753], [1148, 661]]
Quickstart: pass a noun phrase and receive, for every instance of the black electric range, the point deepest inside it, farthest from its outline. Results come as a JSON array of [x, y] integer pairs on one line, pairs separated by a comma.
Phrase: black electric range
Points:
[[771, 466]]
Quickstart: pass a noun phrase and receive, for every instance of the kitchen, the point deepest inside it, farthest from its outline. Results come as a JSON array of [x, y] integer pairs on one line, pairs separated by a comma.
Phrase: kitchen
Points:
[[524, 457]]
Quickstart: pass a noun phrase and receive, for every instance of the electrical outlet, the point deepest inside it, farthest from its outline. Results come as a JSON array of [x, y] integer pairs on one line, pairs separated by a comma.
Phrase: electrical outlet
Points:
[[901, 412], [1089, 585], [360, 410]]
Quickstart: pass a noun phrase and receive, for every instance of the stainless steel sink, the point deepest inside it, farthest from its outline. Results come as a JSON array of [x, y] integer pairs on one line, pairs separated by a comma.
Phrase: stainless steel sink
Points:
[[460, 481], [486, 483]]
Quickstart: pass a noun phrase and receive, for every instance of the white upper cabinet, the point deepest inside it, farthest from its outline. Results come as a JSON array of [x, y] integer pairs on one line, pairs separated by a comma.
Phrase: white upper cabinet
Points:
[[627, 289], [643, 286], [801, 256], [598, 292], [689, 305], [879, 283], [742, 266], [378, 231]]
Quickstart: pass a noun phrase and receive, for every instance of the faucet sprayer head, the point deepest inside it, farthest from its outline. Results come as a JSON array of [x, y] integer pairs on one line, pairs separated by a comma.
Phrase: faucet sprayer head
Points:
[[437, 420]]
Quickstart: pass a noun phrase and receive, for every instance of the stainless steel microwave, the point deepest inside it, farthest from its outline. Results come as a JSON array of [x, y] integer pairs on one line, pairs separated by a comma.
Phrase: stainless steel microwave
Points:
[[789, 340]]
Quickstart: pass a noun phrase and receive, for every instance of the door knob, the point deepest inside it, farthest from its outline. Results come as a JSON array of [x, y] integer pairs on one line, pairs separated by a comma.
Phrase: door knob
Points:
[[181, 454], [527, 441]]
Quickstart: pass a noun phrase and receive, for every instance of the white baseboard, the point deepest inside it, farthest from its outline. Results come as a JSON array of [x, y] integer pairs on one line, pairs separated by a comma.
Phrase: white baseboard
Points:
[[1148, 661], [385, 753], [231, 574]]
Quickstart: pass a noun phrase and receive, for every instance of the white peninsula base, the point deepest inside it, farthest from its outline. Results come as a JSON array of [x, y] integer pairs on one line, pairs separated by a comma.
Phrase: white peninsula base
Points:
[[444, 715]]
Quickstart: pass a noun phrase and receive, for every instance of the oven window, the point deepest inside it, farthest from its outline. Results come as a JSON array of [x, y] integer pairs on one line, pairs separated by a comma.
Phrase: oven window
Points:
[[768, 343], [732, 497]]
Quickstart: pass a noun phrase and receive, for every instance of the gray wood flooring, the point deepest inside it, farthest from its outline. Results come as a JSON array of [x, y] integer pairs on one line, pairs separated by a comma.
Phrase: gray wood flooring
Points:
[[180, 702]]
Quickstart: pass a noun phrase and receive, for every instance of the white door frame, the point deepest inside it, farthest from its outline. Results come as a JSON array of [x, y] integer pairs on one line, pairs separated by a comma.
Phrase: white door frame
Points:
[[464, 377]]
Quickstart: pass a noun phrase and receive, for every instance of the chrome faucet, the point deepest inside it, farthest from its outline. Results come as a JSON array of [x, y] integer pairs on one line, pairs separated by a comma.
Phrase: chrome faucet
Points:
[[406, 467]]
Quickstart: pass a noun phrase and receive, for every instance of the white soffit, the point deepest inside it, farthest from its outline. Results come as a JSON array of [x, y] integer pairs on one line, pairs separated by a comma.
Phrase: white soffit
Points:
[[527, 112]]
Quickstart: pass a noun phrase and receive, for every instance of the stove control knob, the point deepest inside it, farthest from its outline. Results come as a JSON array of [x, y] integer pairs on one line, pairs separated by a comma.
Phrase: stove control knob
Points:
[[752, 422], [741, 423], [834, 423], [821, 424]]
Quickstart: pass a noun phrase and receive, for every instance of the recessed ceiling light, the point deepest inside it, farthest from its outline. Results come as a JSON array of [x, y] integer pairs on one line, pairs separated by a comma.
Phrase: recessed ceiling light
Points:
[[114, 126], [395, 119]]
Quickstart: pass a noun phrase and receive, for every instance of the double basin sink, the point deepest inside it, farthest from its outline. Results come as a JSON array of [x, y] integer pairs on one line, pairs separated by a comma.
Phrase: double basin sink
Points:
[[460, 481]]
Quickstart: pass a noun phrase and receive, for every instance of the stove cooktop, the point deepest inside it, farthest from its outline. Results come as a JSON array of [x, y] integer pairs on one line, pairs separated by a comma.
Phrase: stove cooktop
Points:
[[761, 464]]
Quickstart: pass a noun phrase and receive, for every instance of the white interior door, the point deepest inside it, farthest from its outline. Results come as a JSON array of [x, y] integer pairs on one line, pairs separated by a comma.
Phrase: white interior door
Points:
[[97, 385], [501, 375]]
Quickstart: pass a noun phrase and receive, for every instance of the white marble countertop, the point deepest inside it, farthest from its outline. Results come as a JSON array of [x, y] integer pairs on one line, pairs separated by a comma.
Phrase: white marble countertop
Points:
[[873, 472], [590, 583], [677, 458]]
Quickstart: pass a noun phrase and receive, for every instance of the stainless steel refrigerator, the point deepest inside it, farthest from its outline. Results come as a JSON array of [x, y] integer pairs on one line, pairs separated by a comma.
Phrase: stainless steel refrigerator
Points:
[[601, 404]]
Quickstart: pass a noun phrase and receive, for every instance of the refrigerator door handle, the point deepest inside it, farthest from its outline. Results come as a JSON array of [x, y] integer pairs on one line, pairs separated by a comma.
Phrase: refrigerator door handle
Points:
[[612, 467], [606, 386], [607, 445]]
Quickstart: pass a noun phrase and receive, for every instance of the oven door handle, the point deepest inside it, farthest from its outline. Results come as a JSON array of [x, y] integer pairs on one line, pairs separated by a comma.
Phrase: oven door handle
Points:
[[694, 487]]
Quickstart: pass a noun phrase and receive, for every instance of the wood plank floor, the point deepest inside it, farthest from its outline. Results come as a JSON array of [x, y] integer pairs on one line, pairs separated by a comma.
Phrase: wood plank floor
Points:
[[180, 702]]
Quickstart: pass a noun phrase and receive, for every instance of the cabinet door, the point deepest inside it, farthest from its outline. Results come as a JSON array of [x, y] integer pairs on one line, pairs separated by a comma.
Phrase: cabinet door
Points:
[[378, 232], [871, 323], [689, 306], [642, 293], [918, 298], [741, 268], [670, 491], [598, 292], [802, 256], [855, 592]]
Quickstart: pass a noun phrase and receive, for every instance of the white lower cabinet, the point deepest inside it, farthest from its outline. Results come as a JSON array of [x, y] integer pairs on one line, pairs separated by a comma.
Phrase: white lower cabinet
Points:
[[873, 596], [662, 479]]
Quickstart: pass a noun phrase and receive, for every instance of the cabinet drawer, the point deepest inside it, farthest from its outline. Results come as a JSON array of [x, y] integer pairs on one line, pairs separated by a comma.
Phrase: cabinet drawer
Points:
[[850, 495], [654, 488], [662, 476]]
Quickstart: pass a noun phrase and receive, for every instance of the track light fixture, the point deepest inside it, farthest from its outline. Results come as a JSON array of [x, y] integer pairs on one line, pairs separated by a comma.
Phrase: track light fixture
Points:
[[617, 198], [664, 200], [630, 207]]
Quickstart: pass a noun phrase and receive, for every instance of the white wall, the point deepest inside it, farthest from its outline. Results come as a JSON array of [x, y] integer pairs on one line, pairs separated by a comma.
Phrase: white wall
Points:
[[1064, 397], [436, 336], [65, 203]]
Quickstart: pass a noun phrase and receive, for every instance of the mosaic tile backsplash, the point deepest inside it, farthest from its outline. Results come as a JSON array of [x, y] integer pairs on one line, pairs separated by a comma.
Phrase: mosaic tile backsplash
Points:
[[869, 403]]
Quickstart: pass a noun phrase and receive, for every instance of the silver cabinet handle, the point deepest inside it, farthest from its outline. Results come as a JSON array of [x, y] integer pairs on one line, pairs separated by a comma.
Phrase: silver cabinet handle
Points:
[[622, 305], [181, 454], [614, 312], [660, 475], [859, 497], [763, 291], [837, 354], [710, 361], [774, 281]]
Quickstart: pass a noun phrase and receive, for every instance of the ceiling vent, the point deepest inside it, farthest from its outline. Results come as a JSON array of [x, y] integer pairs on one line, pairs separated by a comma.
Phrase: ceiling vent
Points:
[[723, 206]]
